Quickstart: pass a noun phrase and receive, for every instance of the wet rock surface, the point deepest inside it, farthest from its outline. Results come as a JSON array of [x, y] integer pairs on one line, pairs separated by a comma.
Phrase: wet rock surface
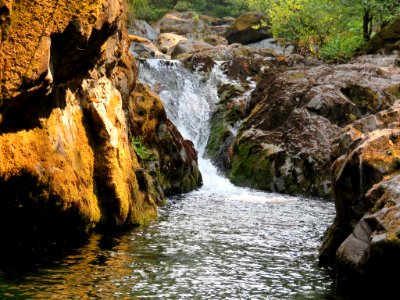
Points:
[[171, 160], [285, 141]]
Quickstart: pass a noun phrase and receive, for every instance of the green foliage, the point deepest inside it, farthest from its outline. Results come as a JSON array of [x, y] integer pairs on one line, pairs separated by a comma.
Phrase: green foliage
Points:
[[141, 150], [216, 8], [149, 10], [258, 26], [138, 8], [331, 29], [341, 47], [258, 5]]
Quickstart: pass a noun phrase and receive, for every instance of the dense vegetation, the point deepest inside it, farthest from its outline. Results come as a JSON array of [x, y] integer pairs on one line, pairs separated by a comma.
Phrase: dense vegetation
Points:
[[154, 9], [330, 29]]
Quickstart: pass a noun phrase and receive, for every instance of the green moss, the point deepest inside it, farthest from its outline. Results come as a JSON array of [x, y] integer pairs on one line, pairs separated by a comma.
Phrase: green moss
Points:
[[142, 151], [219, 132], [251, 166], [227, 113], [394, 90]]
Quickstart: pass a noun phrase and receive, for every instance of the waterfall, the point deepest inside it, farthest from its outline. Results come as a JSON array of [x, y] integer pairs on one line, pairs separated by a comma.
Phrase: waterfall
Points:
[[189, 100]]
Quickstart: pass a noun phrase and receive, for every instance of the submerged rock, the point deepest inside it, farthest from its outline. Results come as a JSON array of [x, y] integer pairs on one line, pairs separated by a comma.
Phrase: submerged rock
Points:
[[67, 163]]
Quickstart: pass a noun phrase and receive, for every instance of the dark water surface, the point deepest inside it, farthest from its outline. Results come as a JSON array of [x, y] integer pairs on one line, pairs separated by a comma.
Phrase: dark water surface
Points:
[[239, 244]]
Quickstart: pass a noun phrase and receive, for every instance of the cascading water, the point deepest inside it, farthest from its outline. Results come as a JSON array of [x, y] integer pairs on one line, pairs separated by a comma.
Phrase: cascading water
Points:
[[220, 242], [189, 100]]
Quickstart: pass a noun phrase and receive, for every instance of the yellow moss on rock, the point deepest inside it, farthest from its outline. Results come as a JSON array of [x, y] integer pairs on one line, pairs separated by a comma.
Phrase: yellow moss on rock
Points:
[[77, 155], [26, 50], [382, 153], [59, 157], [147, 107]]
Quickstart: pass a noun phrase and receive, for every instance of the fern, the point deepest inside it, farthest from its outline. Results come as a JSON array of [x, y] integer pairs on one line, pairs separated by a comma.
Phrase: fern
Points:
[[141, 150]]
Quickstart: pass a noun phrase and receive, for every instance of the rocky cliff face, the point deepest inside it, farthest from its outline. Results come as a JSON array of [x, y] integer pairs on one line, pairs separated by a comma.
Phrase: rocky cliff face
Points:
[[67, 162], [364, 241], [284, 144]]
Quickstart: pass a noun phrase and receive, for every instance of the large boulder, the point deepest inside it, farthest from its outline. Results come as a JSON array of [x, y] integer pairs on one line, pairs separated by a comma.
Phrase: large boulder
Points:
[[167, 42], [185, 47], [143, 48], [230, 52], [67, 163], [284, 144], [248, 28], [387, 39], [188, 24], [171, 159], [143, 29], [363, 244], [278, 46]]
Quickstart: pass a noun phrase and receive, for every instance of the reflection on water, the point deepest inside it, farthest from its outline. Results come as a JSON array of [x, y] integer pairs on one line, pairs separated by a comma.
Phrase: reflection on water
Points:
[[203, 246], [221, 242]]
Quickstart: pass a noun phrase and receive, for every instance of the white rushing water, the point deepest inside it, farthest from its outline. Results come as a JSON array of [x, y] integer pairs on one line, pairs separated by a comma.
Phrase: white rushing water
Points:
[[189, 100]]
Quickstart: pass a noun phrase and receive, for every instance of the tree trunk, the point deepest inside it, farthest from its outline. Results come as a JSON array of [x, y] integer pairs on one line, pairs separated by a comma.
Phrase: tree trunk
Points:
[[367, 24]]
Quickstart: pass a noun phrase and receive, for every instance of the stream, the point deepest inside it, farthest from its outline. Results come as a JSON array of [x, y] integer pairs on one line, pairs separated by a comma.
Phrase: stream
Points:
[[219, 242]]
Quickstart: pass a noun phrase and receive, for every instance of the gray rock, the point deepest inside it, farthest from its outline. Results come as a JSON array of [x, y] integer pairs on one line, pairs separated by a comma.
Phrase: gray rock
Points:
[[274, 45], [143, 29]]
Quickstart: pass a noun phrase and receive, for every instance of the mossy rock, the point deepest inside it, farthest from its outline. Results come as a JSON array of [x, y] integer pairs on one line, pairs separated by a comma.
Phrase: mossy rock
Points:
[[174, 169], [251, 166], [385, 38], [248, 28], [229, 110]]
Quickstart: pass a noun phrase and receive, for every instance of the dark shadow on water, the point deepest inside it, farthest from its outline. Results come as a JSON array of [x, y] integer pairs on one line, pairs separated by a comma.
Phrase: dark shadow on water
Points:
[[18, 258]]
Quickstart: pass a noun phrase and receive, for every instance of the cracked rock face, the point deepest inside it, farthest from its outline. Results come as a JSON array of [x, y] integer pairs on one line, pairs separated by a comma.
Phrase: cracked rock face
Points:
[[364, 241], [284, 144], [67, 163]]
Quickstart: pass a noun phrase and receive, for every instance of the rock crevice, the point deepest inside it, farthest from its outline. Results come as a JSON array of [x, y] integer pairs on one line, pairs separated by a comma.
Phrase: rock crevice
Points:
[[67, 161]]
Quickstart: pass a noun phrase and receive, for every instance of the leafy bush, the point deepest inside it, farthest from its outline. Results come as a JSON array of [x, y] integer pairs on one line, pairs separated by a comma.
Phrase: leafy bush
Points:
[[146, 10], [341, 48], [331, 29]]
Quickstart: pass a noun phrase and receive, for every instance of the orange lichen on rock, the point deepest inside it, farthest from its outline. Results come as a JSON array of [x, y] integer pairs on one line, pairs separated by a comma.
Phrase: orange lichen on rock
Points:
[[24, 55], [58, 158], [66, 160], [382, 152], [148, 109]]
